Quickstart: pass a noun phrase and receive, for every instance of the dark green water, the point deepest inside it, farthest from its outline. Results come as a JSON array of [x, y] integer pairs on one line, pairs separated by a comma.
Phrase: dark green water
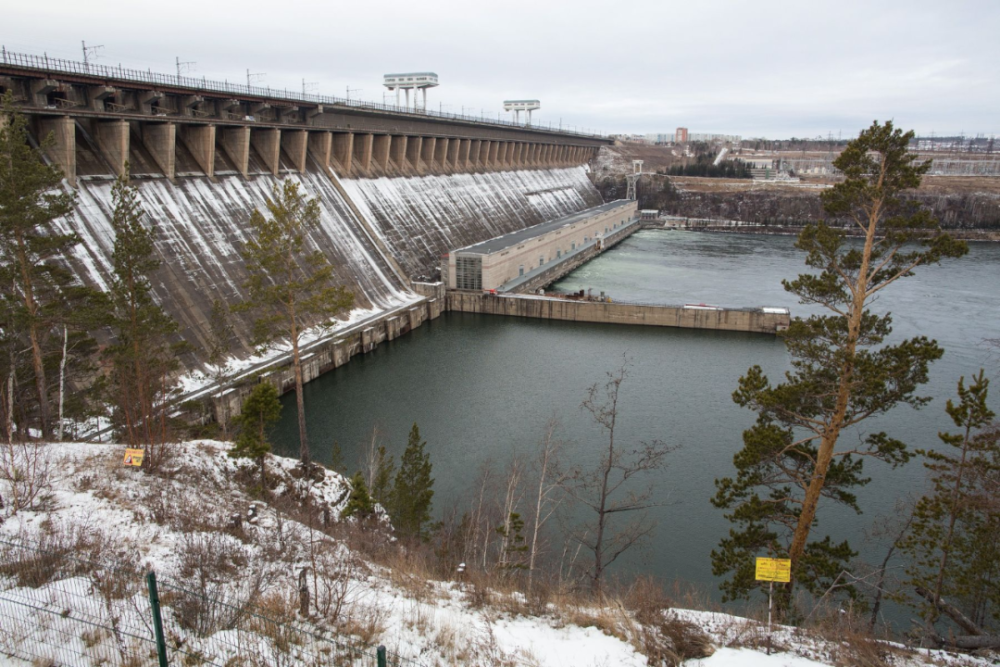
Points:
[[481, 387]]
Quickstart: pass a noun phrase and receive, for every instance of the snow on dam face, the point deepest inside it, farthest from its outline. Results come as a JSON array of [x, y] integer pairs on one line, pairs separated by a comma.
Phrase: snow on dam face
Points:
[[422, 218], [200, 225]]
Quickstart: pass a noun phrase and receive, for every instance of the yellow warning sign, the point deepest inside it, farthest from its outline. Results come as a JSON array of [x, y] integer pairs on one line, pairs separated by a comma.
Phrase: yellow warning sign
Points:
[[133, 457], [774, 569]]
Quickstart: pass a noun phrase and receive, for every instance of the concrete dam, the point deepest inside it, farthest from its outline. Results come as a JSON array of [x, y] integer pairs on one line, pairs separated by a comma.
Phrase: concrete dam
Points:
[[398, 190]]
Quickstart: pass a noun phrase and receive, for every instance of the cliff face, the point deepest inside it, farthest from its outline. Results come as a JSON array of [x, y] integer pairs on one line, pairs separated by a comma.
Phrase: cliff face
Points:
[[955, 211], [420, 219], [199, 227]]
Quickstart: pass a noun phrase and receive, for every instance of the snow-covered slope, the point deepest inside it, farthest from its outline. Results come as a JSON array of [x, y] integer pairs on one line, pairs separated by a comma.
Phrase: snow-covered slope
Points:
[[182, 524]]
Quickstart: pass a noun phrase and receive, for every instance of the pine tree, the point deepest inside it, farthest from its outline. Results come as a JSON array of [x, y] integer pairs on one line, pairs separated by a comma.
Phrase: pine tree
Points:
[[513, 544], [952, 541], [410, 503], [289, 286], [142, 359], [385, 468], [260, 410], [359, 503], [337, 458], [30, 281], [842, 373]]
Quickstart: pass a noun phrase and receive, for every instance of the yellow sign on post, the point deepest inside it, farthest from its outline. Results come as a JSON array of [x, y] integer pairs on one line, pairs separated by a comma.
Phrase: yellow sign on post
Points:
[[774, 569], [133, 457]]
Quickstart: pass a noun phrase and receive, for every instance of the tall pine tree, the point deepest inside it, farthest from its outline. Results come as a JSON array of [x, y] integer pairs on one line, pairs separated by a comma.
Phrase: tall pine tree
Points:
[[410, 503], [843, 372], [31, 282], [141, 358], [290, 286]]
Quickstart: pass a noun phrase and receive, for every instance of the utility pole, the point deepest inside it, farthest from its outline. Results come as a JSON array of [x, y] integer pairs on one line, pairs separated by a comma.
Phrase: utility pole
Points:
[[307, 87], [89, 52], [251, 78], [349, 89], [183, 67]]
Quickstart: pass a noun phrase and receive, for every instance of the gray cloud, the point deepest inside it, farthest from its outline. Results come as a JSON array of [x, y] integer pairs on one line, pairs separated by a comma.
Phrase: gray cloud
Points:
[[777, 69]]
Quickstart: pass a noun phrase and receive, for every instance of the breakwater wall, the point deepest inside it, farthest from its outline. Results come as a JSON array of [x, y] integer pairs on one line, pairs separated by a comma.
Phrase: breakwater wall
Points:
[[753, 320], [327, 353]]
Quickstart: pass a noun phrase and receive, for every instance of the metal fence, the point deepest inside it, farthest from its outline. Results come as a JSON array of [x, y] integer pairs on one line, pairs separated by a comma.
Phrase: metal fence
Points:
[[57, 609], [46, 64]]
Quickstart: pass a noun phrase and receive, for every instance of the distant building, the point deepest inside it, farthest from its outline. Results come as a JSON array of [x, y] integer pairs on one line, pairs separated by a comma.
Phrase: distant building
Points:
[[683, 135], [655, 138], [713, 138]]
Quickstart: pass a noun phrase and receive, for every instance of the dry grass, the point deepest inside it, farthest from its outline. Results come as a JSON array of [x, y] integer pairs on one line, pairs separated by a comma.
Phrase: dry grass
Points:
[[850, 642]]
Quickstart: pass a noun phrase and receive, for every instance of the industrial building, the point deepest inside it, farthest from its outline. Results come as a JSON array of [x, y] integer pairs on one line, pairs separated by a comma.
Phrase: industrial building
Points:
[[500, 262]]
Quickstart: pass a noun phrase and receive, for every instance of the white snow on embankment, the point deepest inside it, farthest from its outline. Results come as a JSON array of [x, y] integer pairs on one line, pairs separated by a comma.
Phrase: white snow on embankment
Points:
[[180, 523]]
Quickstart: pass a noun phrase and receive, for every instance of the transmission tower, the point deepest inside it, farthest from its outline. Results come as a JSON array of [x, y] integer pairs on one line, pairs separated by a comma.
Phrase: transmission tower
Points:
[[633, 178]]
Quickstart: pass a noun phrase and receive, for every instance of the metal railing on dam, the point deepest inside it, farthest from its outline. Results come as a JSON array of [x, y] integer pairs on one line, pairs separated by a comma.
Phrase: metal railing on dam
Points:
[[45, 64]]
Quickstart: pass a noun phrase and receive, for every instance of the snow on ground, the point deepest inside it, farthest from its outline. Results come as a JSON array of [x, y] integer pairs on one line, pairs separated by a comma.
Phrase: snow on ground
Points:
[[179, 521]]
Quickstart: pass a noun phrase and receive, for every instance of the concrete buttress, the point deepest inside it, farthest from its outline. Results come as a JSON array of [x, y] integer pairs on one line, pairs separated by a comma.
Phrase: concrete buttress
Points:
[[236, 144], [63, 149], [200, 141], [113, 141], [267, 143], [295, 143], [160, 140]]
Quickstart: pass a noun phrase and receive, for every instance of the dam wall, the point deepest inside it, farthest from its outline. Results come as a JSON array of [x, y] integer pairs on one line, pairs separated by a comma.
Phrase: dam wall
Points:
[[420, 219], [199, 226], [753, 320], [376, 233]]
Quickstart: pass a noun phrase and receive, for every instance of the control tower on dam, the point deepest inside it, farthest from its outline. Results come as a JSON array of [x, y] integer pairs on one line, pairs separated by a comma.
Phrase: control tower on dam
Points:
[[166, 114]]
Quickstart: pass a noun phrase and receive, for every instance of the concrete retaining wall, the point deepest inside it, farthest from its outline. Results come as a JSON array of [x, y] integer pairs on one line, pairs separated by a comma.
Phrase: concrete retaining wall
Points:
[[748, 320], [324, 356]]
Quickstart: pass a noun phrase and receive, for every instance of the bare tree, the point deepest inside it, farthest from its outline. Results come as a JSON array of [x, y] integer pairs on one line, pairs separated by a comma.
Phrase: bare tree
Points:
[[479, 519], [551, 477], [510, 521], [606, 489]]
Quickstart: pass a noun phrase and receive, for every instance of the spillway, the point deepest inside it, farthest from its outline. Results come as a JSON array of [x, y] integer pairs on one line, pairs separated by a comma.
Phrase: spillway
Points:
[[200, 225], [422, 218]]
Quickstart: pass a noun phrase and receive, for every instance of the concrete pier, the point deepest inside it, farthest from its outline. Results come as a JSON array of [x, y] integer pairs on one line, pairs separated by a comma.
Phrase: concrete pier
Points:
[[753, 320]]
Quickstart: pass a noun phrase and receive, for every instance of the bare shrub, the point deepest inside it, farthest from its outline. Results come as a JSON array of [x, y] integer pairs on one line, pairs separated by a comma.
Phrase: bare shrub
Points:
[[334, 581], [52, 554], [368, 622], [25, 471], [850, 640], [659, 634], [221, 582]]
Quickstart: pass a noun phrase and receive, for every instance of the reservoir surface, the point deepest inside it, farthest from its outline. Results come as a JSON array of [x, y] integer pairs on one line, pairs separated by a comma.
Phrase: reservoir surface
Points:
[[481, 387]]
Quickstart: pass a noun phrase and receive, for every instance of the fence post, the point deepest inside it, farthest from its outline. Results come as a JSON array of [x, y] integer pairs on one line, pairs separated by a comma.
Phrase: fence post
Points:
[[154, 604], [380, 655]]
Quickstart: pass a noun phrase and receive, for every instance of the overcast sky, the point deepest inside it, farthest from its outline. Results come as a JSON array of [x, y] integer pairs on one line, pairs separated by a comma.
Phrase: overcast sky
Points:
[[755, 68]]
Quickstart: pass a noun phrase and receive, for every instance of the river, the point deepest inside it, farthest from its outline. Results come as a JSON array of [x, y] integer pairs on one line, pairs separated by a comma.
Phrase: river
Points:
[[481, 387]]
